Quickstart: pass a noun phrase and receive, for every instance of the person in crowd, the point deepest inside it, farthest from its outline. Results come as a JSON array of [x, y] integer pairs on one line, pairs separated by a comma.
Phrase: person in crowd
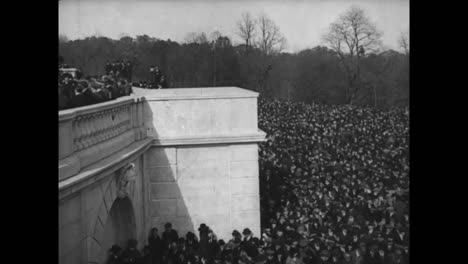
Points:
[[108, 67], [131, 255], [114, 255], [155, 246], [152, 79], [129, 68], [147, 257], [169, 236], [162, 82], [157, 76]]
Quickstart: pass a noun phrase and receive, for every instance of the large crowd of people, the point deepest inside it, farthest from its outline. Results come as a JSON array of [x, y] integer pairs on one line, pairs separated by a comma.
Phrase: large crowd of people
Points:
[[76, 90], [120, 68], [334, 188], [157, 80]]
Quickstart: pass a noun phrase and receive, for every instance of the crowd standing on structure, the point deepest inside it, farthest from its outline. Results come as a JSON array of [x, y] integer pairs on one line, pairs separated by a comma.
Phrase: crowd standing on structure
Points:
[[334, 189], [75, 90], [157, 80]]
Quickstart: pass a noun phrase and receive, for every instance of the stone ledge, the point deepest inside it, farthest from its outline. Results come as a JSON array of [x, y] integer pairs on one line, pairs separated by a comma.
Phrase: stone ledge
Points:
[[210, 139], [72, 113], [101, 168], [199, 93], [68, 167]]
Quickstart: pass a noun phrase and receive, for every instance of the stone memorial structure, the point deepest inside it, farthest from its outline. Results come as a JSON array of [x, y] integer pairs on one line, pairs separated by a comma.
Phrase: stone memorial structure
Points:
[[185, 156]]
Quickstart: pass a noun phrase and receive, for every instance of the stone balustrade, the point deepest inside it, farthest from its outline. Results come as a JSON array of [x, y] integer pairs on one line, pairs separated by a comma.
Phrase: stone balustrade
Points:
[[90, 133]]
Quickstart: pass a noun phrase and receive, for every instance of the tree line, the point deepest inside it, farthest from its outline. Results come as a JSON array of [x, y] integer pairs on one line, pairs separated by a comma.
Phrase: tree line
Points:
[[349, 68]]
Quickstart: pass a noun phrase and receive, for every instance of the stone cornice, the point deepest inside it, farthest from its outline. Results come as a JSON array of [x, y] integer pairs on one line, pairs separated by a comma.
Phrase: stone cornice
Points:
[[101, 169], [202, 93], [210, 139]]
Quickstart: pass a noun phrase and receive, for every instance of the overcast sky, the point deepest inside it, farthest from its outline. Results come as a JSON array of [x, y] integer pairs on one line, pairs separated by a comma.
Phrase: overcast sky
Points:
[[302, 22]]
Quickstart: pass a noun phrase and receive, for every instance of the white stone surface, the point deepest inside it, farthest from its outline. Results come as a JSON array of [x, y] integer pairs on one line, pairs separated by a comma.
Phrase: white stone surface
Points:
[[209, 184], [200, 111]]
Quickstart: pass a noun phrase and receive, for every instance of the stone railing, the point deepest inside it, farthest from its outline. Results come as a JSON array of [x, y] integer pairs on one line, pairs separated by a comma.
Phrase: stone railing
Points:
[[91, 133]]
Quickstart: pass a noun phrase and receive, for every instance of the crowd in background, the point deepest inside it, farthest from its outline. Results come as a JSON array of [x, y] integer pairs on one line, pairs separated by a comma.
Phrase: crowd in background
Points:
[[334, 188], [120, 68], [157, 80], [76, 91]]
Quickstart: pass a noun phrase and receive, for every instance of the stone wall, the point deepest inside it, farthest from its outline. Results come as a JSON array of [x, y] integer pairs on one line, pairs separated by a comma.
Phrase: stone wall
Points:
[[83, 217], [212, 184], [203, 166]]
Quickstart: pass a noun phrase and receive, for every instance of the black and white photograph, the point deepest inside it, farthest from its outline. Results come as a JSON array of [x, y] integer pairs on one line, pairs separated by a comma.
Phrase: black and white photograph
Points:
[[234, 132]]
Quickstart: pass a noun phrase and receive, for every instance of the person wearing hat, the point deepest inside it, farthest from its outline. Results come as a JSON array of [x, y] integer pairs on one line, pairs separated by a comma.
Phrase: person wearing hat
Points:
[[131, 254], [236, 237], [324, 257], [271, 259], [357, 255], [191, 244], [146, 259], [114, 255], [248, 243], [293, 257], [372, 256], [336, 254], [169, 236], [212, 244], [203, 248], [151, 75], [155, 246]]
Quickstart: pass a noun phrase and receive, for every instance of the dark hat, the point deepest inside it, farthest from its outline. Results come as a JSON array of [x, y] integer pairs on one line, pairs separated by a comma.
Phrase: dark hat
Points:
[[190, 235], [246, 231], [236, 233], [115, 249], [168, 225], [325, 253], [303, 243], [336, 252], [256, 241], [203, 228]]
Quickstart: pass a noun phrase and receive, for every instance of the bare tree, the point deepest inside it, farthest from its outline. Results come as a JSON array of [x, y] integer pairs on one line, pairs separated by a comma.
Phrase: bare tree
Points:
[[270, 40], [403, 41], [351, 36], [246, 29]]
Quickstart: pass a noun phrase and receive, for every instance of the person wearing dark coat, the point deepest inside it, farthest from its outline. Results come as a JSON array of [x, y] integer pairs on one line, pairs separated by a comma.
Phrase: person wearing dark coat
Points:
[[212, 245], [191, 244], [169, 236], [155, 246], [108, 67], [157, 76], [131, 255], [271, 257], [203, 248], [146, 259], [151, 75], [129, 71], [114, 255], [248, 245]]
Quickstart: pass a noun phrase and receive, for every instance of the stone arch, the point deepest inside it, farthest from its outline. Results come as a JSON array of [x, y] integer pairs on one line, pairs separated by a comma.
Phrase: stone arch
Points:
[[119, 227], [111, 208]]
